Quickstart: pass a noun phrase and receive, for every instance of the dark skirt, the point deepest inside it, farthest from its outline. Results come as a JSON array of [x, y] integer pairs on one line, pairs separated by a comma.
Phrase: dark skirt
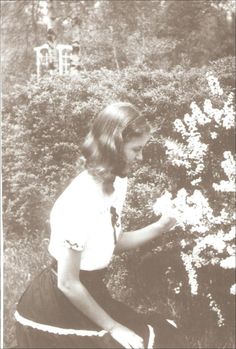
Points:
[[47, 319]]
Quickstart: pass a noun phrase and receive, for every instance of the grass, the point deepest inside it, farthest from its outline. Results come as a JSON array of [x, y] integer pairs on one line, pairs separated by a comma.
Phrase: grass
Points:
[[24, 257]]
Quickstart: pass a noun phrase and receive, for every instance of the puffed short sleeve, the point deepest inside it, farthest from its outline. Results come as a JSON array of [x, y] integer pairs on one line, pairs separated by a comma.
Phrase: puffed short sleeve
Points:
[[70, 219]]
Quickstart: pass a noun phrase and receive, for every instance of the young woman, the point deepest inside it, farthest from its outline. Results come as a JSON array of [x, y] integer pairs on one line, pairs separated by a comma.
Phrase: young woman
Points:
[[68, 305]]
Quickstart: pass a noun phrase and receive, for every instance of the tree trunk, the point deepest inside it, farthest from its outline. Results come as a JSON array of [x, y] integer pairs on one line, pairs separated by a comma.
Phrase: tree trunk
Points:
[[51, 15], [114, 49], [34, 15]]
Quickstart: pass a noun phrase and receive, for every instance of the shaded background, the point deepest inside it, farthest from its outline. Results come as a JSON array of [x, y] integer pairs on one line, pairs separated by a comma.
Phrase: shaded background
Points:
[[154, 54]]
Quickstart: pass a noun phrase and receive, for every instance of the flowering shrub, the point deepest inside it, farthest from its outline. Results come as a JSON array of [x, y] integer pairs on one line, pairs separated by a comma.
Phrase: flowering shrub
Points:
[[44, 124], [228, 166], [206, 209]]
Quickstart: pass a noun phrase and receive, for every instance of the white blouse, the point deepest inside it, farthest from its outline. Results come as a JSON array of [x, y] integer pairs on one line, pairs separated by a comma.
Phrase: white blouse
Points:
[[81, 219]]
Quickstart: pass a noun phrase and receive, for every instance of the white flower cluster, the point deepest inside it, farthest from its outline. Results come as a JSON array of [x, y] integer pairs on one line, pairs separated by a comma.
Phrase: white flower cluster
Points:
[[224, 117], [196, 259], [177, 289], [218, 244], [191, 271], [214, 84], [229, 112], [224, 218], [228, 263], [192, 212], [192, 154], [228, 165], [200, 117], [233, 289], [215, 307], [177, 153]]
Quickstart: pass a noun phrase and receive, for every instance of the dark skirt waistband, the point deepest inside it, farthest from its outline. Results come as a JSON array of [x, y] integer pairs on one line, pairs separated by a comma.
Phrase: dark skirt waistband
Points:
[[101, 272], [93, 280]]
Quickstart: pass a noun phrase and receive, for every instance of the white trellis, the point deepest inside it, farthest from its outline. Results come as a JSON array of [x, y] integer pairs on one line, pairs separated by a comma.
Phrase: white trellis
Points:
[[61, 55], [64, 56]]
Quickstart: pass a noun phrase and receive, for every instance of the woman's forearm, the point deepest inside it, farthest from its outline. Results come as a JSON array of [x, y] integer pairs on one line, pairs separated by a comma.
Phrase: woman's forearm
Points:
[[83, 301], [137, 238]]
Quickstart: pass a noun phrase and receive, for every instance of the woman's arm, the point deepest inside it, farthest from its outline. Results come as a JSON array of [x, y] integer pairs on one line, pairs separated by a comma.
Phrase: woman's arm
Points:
[[137, 238], [69, 283]]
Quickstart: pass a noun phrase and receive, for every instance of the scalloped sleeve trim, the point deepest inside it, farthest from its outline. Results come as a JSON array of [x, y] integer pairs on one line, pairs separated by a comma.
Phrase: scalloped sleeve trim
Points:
[[73, 245]]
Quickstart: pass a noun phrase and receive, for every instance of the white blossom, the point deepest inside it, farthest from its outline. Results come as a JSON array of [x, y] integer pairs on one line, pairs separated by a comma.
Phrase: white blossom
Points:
[[183, 243], [180, 128], [214, 135], [163, 203], [193, 211], [198, 115], [231, 250], [215, 260], [191, 272], [228, 263], [233, 289], [215, 307], [214, 84], [177, 290], [196, 181], [229, 112], [228, 165], [224, 186], [230, 235]]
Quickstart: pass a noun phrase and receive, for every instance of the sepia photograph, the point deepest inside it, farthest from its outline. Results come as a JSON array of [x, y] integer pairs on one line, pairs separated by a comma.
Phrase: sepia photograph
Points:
[[118, 174]]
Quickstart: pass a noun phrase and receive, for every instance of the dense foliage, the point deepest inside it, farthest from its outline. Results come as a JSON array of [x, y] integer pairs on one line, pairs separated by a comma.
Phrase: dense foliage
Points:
[[197, 266], [117, 34], [193, 268], [44, 124], [155, 54]]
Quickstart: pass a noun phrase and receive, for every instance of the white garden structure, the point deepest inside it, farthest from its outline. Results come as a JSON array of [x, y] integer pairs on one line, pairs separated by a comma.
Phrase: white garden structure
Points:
[[56, 59]]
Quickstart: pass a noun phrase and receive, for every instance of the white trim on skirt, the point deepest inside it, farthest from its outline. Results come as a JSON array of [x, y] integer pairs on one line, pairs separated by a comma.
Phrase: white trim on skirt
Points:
[[56, 330], [151, 337], [67, 331]]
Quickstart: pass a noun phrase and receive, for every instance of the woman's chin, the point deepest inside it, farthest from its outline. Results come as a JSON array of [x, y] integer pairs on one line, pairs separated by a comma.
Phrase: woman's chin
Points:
[[127, 170], [130, 169], [123, 173]]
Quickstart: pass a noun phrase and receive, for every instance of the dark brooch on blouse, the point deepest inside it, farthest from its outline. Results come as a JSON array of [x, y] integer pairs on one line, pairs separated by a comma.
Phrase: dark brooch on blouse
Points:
[[114, 221]]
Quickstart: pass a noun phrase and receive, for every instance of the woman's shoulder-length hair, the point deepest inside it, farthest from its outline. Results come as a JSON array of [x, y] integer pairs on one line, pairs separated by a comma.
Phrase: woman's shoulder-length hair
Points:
[[103, 148]]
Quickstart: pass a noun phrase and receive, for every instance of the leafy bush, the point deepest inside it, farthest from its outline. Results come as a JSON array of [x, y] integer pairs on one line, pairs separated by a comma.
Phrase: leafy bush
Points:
[[195, 268], [44, 124], [207, 207], [23, 257]]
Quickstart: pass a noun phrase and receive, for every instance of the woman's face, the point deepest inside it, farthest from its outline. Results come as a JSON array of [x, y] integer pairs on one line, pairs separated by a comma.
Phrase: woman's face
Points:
[[133, 149]]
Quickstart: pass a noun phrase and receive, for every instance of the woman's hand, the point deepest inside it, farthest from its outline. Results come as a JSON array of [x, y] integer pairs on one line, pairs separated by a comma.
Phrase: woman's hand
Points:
[[169, 212], [166, 207], [168, 220], [126, 337]]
